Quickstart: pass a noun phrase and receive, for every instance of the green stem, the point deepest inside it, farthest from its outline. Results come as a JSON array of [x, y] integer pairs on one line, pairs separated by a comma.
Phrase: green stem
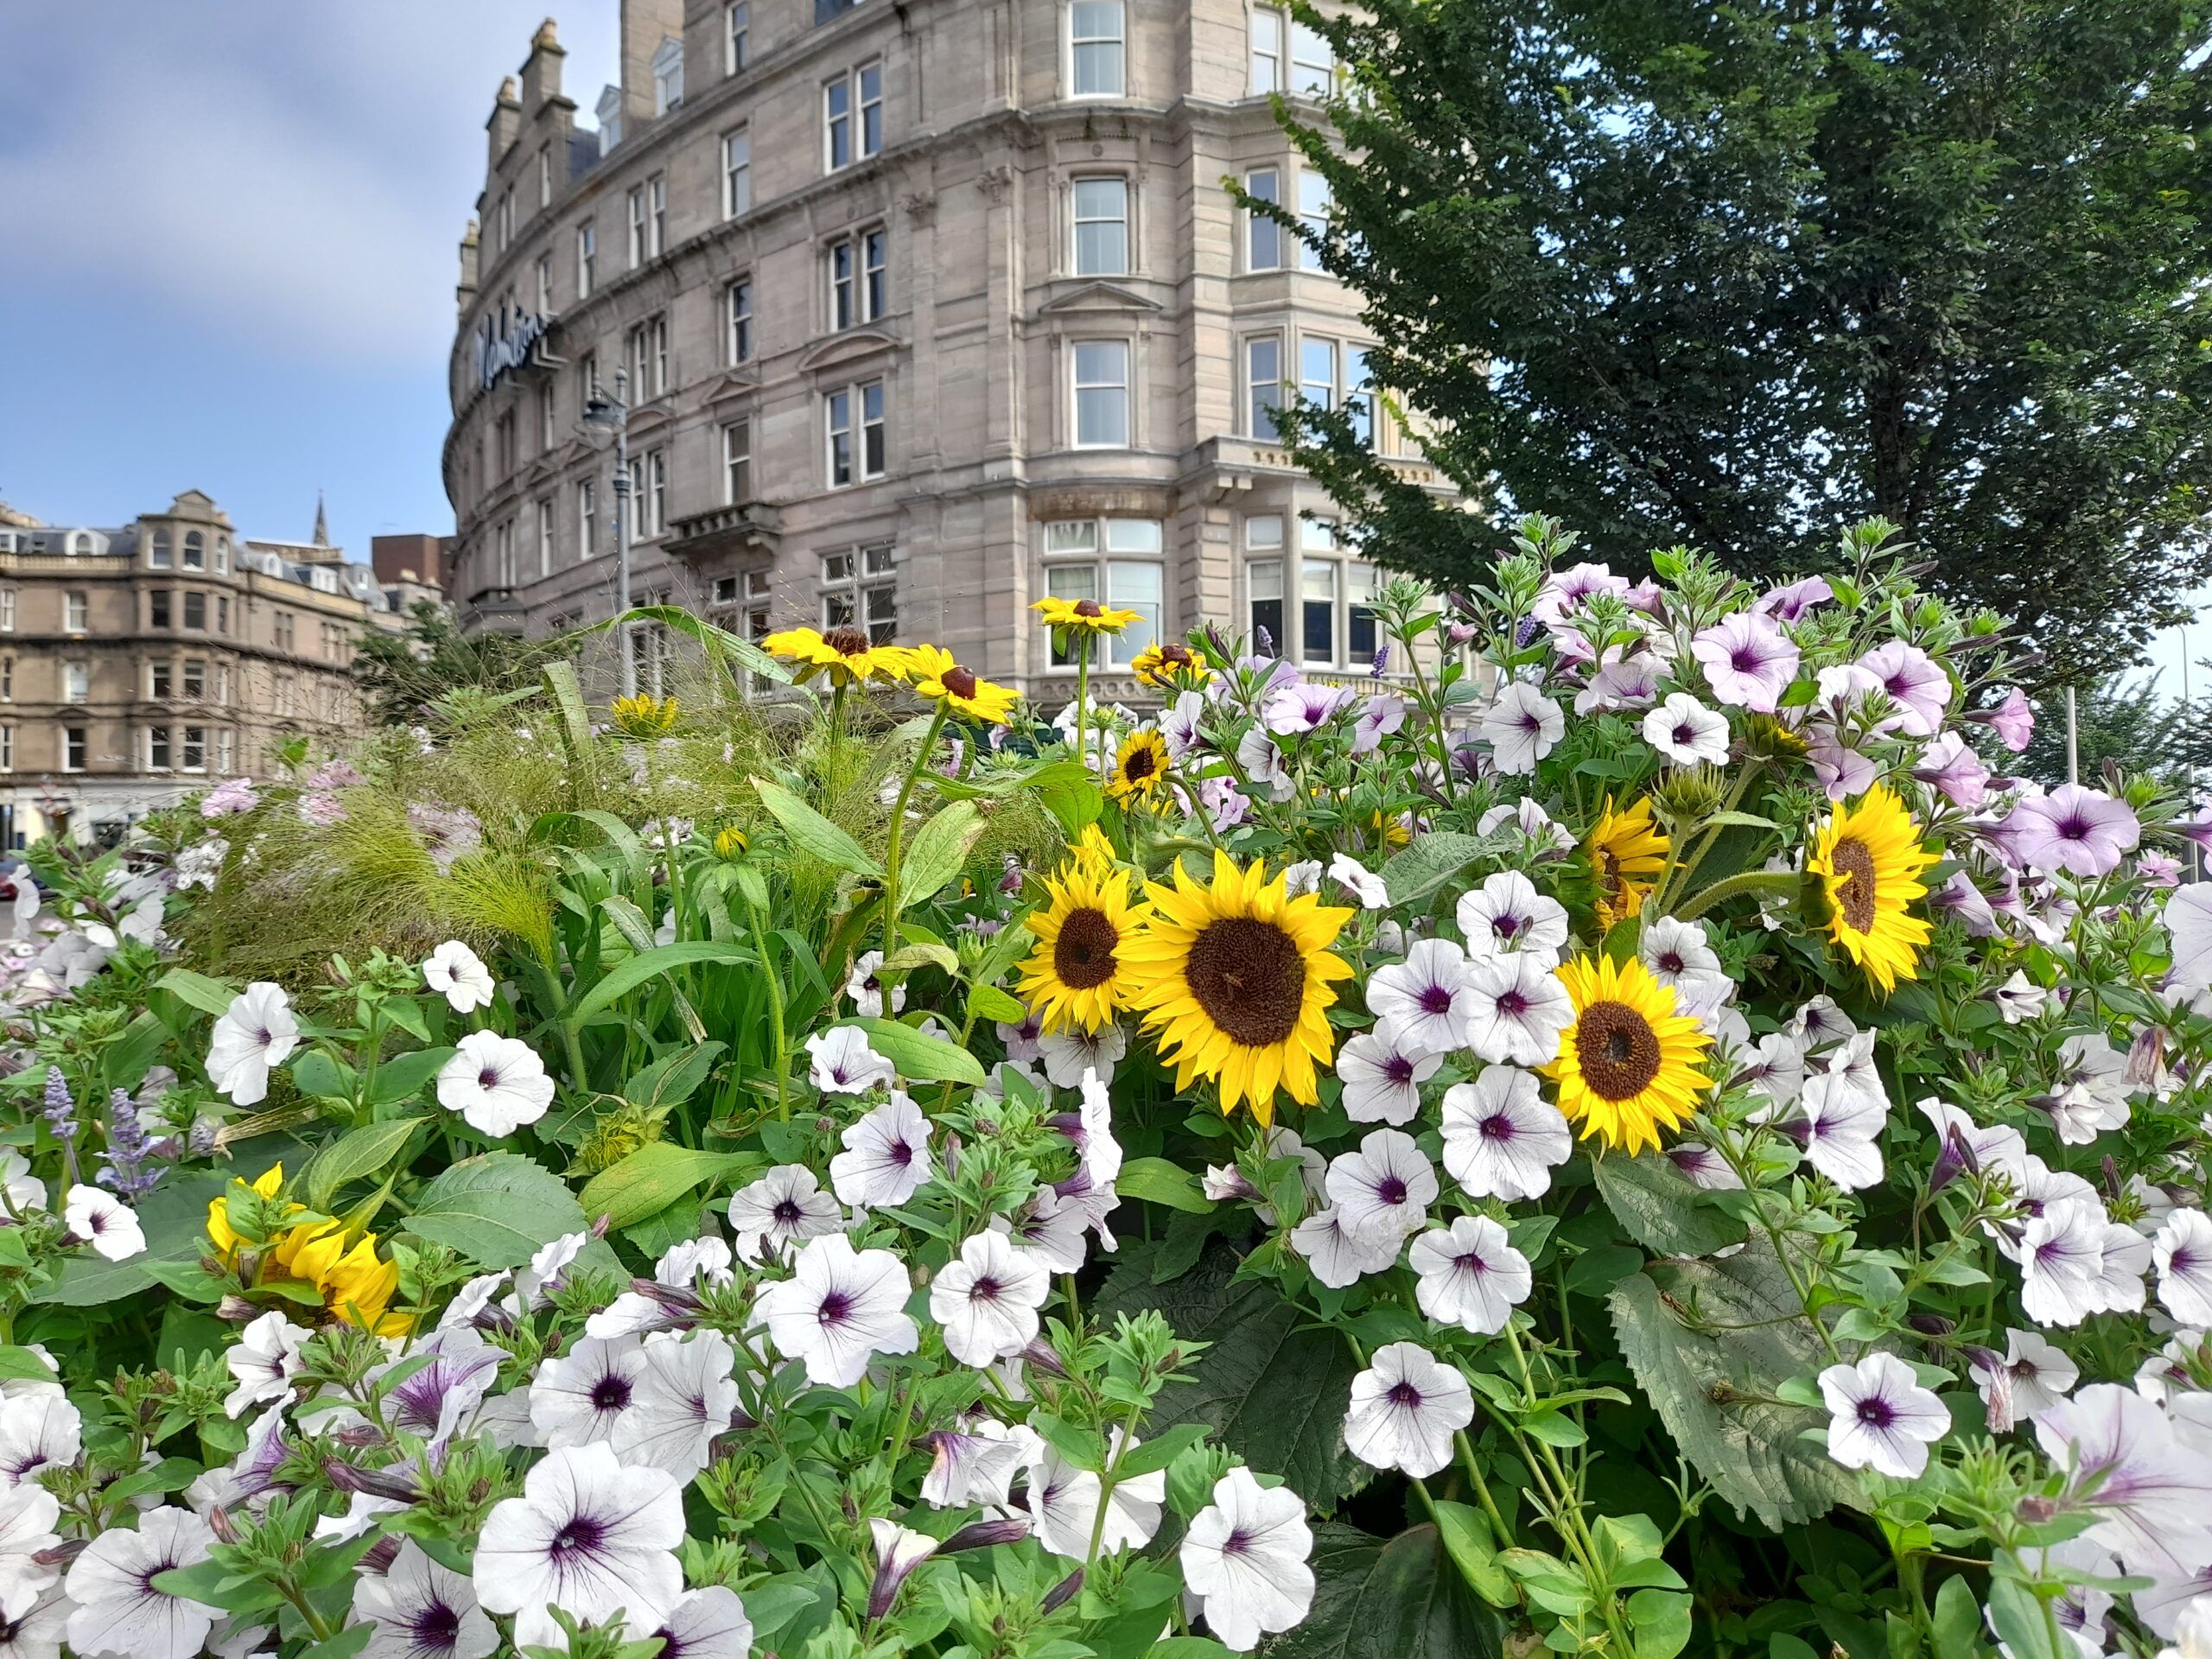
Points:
[[775, 1012], [899, 834], [1776, 882]]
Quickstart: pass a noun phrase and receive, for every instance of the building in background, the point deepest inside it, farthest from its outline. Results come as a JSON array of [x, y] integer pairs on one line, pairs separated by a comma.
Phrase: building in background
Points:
[[413, 570], [138, 664], [924, 312]]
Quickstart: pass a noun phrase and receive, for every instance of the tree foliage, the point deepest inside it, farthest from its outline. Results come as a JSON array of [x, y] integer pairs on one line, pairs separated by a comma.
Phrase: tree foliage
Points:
[[1747, 272], [401, 675], [2126, 723]]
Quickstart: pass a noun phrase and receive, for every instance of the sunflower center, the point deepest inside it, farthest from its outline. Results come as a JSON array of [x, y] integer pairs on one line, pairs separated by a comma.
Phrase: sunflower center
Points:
[[959, 681], [1250, 978], [1854, 894], [1618, 1049], [1139, 765], [847, 642], [1083, 956]]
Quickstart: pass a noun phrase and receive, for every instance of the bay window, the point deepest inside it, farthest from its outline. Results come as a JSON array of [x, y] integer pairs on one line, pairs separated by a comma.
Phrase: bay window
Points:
[[1102, 227], [1101, 394], [1117, 563], [1097, 49]]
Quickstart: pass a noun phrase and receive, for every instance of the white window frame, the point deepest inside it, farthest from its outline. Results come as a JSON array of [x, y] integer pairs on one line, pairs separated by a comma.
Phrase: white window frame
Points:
[[77, 681], [157, 749], [1079, 385], [1078, 220], [854, 430], [543, 270], [737, 172], [1266, 58], [1077, 43], [856, 267], [544, 176], [6, 749], [1254, 383], [545, 536], [161, 678], [587, 518], [76, 612], [1316, 201], [160, 554], [191, 679], [860, 588], [668, 76], [737, 462], [737, 33], [1122, 563], [648, 354], [7, 610], [195, 551], [76, 749], [194, 738], [648, 494], [587, 257], [1264, 237], [737, 317]]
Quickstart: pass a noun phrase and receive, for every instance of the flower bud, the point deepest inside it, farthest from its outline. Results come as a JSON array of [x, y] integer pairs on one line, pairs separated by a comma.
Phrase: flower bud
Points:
[[1065, 1592], [2035, 1509]]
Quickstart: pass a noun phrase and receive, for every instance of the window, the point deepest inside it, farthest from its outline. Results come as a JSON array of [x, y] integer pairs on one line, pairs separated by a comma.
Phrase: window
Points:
[[544, 175], [852, 117], [545, 432], [1128, 576], [223, 684], [223, 750], [1262, 235], [503, 452], [7, 679], [1317, 371], [1263, 579], [543, 271], [284, 629], [668, 76], [7, 610], [157, 748], [737, 28], [875, 279], [157, 551], [1102, 227], [1266, 50], [545, 538], [196, 612], [737, 462], [73, 748], [157, 608], [588, 388], [588, 520], [223, 614], [587, 259], [1312, 60], [75, 613], [1101, 394], [223, 556], [649, 494], [858, 284], [195, 678], [6, 749], [860, 590], [648, 220], [737, 307], [196, 550], [1313, 214], [195, 748], [1263, 386], [737, 173], [158, 685], [503, 553], [853, 417], [1336, 617], [1095, 52], [649, 359], [76, 682]]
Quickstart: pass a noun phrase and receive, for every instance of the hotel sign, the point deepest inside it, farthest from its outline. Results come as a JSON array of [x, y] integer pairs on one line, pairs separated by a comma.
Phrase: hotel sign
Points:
[[509, 340]]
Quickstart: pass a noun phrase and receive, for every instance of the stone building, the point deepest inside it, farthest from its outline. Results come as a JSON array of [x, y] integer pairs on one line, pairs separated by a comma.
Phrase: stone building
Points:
[[138, 664], [924, 311]]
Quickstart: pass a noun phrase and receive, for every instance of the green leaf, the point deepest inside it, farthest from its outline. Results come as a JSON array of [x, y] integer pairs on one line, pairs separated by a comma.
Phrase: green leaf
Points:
[[1595, 1272], [22, 1365], [1272, 1388], [2019, 1619], [1188, 1647], [673, 1078], [1159, 1451], [1156, 1180], [653, 1177], [174, 1217], [1659, 1206], [938, 850], [1661, 1621], [989, 1002], [1402, 1599], [1707, 1383], [197, 990], [213, 1585], [498, 1210], [1466, 1538], [912, 957], [353, 1156], [1958, 1619], [719, 644], [626, 977], [919, 1056], [813, 834], [1434, 859], [316, 1073], [349, 1641], [402, 1077]]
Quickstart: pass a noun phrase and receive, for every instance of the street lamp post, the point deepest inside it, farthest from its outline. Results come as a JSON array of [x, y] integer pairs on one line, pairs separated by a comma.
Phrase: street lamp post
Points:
[[615, 414]]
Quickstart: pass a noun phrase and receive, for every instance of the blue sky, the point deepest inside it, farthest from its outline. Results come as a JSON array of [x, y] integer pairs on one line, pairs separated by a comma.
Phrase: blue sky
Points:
[[230, 228]]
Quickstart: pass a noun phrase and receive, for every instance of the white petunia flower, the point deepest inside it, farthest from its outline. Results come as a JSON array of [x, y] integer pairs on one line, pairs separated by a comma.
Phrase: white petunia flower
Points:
[[2092, 1094], [1337, 1255], [1842, 1126], [839, 1308], [687, 1394], [842, 1062], [1521, 1008], [2029, 1378], [1302, 877], [589, 1535], [256, 1032], [1470, 1276], [1093, 1132], [23, 1190], [1383, 1190], [1426, 1000], [708, 1623], [1775, 1066], [1405, 1408], [2125, 1462], [1063, 1505], [1506, 914], [118, 1611], [28, 1516], [867, 990], [422, 1610], [1880, 1418], [1246, 1558], [2121, 1275], [497, 1083], [105, 1222], [265, 1360], [37, 1430], [784, 1207], [1680, 958], [887, 1156], [987, 1299], [1383, 1078], [1703, 1167], [2019, 998], [1359, 881], [458, 974], [582, 1393], [1501, 1138], [976, 1464], [1522, 727], [1687, 732], [2062, 1254], [1069, 1053], [2183, 1253]]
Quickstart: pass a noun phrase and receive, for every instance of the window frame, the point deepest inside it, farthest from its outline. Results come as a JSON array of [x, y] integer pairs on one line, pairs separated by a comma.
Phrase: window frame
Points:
[[870, 571], [648, 350], [1255, 427], [1259, 228], [1077, 385], [587, 518], [737, 172], [587, 257], [76, 681], [76, 611], [1077, 220], [737, 36], [76, 749], [1119, 42], [737, 319], [867, 439], [1100, 557], [737, 462]]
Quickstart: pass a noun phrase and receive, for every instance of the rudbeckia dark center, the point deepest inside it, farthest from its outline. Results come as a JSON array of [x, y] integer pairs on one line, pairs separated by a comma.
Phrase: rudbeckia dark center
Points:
[[1088, 608], [1618, 1049], [1250, 978], [847, 642], [1854, 895], [1083, 956], [1139, 765], [959, 681]]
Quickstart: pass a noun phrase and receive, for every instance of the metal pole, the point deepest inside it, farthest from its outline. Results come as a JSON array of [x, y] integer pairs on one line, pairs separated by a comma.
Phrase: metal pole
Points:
[[2187, 724], [2072, 740], [622, 529]]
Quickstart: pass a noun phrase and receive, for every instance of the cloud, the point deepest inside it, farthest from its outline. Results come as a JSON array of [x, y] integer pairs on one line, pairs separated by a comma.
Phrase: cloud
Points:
[[293, 176]]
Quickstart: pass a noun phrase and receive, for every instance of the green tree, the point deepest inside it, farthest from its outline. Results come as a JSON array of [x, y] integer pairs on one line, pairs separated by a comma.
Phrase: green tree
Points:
[[1746, 273], [2127, 723], [402, 674]]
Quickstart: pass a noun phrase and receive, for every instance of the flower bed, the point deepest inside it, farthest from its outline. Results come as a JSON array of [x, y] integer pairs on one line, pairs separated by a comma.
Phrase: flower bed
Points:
[[1631, 1136]]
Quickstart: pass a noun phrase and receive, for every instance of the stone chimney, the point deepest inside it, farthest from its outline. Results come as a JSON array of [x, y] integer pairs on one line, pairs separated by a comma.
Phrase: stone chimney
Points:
[[540, 76], [505, 125], [465, 290], [645, 24]]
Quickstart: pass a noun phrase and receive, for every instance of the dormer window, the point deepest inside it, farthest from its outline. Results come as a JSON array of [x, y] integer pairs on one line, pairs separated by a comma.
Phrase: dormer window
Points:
[[668, 75], [610, 119]]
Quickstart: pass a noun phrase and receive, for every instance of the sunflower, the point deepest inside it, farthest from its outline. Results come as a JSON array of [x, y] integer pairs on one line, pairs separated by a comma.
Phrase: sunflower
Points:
[[1140, 769], [937, 677], [1628, 1066], [645, 715], [1869, 862], [1235, 976], [1092, 852], [1083, 617], [846, 653], [355, 1286], [1170, 667], [1622, 848], [1075, 976]]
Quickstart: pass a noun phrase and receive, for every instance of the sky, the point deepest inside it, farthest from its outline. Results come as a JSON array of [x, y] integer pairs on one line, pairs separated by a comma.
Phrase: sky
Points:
[[231, 230]]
